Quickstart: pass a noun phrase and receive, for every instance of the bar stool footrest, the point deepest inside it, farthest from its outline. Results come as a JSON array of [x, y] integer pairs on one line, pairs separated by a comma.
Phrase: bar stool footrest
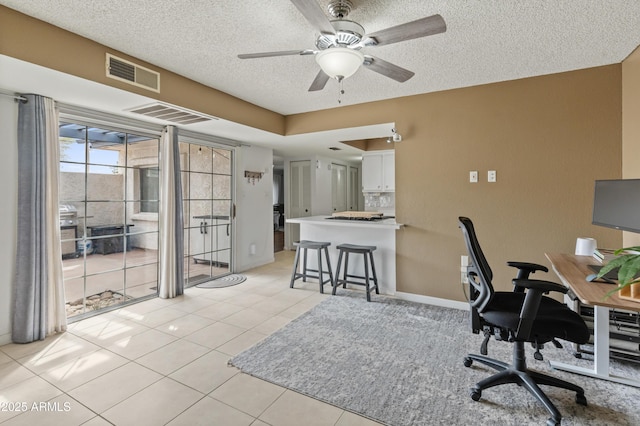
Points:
[[298, 276]]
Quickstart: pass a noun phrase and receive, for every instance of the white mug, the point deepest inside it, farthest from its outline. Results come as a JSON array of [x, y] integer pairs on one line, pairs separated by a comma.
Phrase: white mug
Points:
[[585, 246]]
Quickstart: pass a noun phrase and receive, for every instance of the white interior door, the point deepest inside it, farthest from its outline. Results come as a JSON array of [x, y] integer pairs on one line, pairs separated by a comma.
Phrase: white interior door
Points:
[[339, 187], [354, 189], [300, 193]]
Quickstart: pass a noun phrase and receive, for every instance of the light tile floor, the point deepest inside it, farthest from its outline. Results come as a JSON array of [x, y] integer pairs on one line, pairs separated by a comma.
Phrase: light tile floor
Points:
[[165, 362]]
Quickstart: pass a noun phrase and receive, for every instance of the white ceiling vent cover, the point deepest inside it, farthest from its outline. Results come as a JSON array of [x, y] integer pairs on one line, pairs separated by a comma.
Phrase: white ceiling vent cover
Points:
[[171, 113], [123, 70]]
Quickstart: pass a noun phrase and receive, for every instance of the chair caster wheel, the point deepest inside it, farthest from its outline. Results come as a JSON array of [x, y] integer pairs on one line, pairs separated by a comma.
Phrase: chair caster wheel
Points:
[[475, 394], [581, 399], [553, 422], [467, 361]]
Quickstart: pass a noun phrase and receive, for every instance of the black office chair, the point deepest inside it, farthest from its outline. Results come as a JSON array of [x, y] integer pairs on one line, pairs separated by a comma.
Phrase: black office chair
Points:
[[519, 316]]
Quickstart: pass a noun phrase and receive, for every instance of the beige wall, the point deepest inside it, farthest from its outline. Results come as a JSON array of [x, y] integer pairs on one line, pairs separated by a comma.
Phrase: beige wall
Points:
[[548, 137], [631, 127], [35, 41]]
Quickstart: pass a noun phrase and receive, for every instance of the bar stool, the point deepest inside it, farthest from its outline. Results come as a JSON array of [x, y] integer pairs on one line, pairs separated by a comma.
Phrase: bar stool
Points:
[[315, 245], [367, 252]]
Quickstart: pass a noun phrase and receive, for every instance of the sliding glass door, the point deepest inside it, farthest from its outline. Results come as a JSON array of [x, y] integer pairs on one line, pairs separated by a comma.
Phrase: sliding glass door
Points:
[[109, 209], [108, 216], [208, 215]]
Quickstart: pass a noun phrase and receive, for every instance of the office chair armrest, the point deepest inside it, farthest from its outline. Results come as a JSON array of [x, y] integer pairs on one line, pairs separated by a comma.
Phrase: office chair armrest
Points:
[[543, 286], [526, 268], [529, 310]]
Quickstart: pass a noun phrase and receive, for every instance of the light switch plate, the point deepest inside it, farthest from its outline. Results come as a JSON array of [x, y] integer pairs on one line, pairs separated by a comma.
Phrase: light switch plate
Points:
[[473, 176]]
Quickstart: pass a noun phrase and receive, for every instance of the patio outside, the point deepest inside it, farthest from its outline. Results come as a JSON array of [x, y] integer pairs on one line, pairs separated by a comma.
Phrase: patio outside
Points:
[[106, 289], [109, 189]]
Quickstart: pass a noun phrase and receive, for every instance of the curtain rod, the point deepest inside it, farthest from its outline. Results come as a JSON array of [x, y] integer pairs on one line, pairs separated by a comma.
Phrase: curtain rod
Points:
[[16, 97]]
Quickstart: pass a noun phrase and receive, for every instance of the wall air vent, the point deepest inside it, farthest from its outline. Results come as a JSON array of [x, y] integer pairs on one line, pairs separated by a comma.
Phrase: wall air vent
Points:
[[123, 70], [171, 113]]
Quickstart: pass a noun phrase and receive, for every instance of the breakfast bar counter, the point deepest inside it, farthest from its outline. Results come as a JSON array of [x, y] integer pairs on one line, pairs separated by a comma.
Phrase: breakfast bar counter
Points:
[[380, 233], [389, 223]]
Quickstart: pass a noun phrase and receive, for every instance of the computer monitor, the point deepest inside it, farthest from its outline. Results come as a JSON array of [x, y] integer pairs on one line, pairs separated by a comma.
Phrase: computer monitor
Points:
[[616, 204]]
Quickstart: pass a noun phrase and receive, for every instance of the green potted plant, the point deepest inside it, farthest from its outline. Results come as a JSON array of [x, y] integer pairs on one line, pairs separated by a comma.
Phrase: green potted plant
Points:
[[628, 260]]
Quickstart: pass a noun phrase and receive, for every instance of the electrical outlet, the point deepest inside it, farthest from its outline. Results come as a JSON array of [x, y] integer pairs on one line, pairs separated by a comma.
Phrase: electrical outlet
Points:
[[473, 176], [491, 176], [464, 262]]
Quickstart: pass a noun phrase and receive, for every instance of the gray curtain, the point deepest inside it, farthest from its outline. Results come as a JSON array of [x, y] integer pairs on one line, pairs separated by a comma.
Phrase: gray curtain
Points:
[[171, 256], [38, 288]]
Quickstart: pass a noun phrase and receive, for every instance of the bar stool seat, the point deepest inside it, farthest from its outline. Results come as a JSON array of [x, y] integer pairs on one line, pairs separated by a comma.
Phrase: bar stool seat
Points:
[[367, 252], [319, 246]]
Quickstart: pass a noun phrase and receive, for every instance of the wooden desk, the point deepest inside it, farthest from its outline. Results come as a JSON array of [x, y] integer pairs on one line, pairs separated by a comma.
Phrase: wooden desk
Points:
[[572, 271]]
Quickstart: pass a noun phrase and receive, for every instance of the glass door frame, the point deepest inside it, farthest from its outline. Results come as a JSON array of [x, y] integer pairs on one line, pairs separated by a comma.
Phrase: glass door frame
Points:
[[189, 229], [87, 245]]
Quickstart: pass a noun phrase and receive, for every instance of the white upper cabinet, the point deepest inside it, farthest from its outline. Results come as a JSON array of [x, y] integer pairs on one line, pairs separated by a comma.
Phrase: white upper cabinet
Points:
[[389, 171], [378, 171]]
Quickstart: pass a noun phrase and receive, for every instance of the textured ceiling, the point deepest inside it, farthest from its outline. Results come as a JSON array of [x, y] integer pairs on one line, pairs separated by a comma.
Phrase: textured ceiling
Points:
[[486, 41]]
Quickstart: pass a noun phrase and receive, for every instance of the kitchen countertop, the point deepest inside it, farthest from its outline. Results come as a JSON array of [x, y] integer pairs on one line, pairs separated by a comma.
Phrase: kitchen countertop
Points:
[[322, 220]]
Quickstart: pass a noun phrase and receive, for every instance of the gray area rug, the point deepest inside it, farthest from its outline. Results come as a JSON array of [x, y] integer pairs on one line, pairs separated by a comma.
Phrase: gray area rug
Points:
[[400, 363], [226, 281]]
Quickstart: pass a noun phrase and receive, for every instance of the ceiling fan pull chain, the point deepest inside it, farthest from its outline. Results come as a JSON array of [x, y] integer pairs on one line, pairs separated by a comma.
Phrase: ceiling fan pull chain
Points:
[[340, 90]]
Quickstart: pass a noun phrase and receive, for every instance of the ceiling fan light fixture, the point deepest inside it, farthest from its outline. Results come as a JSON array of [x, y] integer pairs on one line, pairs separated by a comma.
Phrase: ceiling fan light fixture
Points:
[[339, 62]]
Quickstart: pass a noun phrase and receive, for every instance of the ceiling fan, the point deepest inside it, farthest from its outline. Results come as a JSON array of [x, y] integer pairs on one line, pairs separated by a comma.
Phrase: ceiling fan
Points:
[[340, 41]]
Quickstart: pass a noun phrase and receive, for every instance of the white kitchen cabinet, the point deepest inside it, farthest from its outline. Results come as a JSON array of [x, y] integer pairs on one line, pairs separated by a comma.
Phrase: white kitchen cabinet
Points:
[[199, 239], [211, 239], [389, 171], [378, 171]]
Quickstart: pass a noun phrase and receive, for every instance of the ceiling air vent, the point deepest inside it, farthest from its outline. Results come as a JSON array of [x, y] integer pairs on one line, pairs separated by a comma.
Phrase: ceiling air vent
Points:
[[171, 113], [131, 73]]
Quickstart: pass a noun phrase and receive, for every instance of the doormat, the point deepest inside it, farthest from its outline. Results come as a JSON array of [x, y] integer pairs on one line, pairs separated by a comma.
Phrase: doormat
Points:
[[226, 281]]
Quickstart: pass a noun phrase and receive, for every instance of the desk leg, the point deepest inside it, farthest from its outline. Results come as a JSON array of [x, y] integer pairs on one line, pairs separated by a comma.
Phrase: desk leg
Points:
[[601, 340], [600, 368]]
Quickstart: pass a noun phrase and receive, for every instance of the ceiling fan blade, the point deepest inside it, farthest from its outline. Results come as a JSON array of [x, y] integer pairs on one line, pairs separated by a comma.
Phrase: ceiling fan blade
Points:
[[415, 29], [387, 69], [271, 54], [319, 82], [312, 11]]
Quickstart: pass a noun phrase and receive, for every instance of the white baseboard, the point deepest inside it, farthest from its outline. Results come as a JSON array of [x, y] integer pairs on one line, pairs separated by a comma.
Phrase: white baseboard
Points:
[[446, 303], [5, 339], [246, 267]]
